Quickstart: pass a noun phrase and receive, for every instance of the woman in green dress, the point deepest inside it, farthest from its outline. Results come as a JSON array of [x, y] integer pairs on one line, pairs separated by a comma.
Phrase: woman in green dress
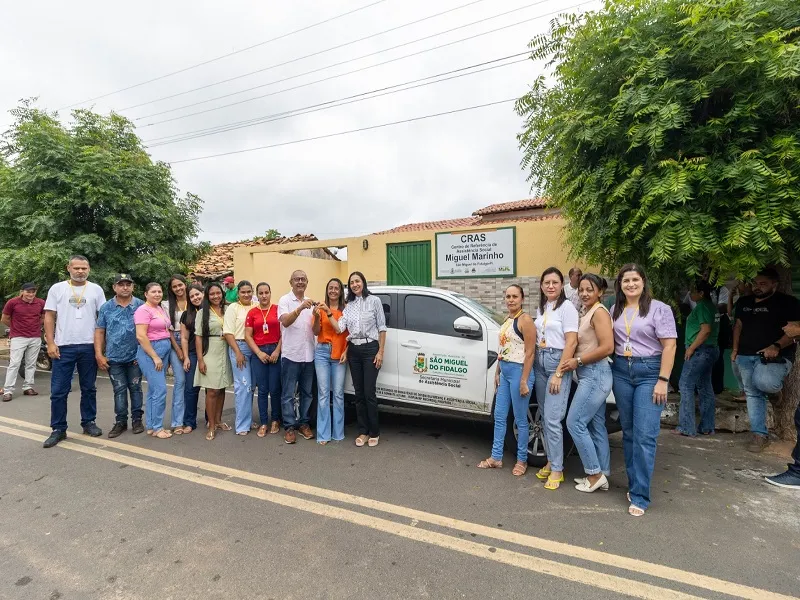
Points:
[[213, 365]]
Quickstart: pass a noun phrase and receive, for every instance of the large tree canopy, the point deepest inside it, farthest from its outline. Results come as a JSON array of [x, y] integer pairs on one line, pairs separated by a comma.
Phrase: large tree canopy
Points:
[[87, 188], [669, 134]]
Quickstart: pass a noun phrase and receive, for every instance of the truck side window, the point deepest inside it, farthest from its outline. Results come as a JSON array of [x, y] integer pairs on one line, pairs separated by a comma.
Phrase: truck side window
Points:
[[431, 315]]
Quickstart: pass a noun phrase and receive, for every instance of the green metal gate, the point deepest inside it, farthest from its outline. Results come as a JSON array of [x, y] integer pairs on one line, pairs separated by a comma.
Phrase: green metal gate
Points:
[[408, 264]]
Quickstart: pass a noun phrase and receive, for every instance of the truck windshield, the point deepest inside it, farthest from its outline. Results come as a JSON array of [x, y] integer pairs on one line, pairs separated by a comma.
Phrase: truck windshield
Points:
[[477, 307]]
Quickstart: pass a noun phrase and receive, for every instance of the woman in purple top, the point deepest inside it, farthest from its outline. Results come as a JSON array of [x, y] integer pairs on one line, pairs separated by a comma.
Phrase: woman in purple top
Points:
[[644, 344]]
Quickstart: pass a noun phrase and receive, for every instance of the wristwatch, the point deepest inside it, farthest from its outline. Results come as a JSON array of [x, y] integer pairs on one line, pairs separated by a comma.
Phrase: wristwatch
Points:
[[580, 362]]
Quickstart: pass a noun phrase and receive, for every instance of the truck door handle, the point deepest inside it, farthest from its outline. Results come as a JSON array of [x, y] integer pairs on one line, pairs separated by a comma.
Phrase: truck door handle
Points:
[[411, 344]]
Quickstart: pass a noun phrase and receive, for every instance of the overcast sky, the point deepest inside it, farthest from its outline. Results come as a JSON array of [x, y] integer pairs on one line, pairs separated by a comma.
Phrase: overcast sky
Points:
[[68, 52]]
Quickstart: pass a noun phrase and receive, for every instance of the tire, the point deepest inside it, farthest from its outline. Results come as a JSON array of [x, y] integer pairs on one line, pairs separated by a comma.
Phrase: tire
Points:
[[44, 362]]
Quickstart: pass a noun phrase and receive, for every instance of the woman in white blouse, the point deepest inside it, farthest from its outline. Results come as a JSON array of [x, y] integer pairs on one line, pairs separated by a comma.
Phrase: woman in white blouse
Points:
[[557, 337], [365, 322]]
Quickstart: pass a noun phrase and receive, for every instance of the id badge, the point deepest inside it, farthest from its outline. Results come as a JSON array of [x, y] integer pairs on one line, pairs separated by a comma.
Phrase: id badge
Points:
[[265, 328], [78, 313], [543, 343], [627, 349]]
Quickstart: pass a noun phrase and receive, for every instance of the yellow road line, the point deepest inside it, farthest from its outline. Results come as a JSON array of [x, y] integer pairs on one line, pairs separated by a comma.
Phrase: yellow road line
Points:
[[613, 583], [604, 558]]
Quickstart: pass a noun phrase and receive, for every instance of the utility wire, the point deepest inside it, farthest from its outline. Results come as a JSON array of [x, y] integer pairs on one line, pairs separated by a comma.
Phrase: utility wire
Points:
[[207, 62], [324, 79], [288, 62], [337, 102], [340, 133]]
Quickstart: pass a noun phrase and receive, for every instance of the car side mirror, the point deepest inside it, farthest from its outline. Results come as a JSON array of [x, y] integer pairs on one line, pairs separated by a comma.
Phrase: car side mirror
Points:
[[467, 326]]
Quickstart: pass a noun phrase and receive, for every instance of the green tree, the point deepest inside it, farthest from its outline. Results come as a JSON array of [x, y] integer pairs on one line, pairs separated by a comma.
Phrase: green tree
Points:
[[668, 133], [88, 188]]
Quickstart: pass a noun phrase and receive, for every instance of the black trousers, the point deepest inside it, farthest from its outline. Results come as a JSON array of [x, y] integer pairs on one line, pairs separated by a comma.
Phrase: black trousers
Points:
[[365, 375]]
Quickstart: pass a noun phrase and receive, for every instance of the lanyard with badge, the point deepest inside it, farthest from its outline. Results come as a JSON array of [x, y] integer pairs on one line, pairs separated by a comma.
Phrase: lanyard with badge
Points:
[[627, 349], [543, 339], [78, 300], [264, 315]]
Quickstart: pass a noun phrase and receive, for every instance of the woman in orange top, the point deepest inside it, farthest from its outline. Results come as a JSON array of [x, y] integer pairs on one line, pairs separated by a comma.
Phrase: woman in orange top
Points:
[[330, 362]]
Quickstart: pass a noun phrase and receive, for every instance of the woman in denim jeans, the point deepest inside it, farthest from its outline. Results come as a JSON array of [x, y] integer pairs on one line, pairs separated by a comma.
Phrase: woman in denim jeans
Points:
[[153, 332], [262, 332], [557, 337], [176, 304], [513, 380], [240, 354], [191, 392], [644, 345], [586, 420], [330, 363], [702, 330]]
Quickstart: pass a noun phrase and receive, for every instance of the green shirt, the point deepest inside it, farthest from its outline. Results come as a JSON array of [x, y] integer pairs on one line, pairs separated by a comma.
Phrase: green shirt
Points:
[[705, 313], [231, 295]]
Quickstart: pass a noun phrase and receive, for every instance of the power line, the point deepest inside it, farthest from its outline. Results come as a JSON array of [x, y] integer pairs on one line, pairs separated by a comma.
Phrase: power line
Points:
[[324, 79], [372, 94], [203, 87], [206, 62], [340, 133]]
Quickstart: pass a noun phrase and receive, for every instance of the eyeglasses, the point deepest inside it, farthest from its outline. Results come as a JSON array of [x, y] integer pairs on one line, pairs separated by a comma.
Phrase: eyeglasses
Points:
[[300, 279]]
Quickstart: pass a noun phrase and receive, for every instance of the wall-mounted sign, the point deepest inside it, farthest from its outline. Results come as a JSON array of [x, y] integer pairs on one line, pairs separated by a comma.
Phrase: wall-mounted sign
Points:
[[477, 253]]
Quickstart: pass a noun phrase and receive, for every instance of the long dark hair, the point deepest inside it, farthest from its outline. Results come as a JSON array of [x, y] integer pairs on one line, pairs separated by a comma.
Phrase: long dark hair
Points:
[[341, 292], [204, 329], [543, 298], [364, 291], [644, 299], [191, 309], [172, 299]]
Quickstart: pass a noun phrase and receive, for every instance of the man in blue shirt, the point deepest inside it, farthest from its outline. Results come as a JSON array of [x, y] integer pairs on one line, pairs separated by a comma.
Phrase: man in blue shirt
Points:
[[115, 351]]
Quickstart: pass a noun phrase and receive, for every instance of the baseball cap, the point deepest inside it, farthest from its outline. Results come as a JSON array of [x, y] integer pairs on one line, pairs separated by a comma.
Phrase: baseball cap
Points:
[[228, 279], [29, 286], [123, 277]]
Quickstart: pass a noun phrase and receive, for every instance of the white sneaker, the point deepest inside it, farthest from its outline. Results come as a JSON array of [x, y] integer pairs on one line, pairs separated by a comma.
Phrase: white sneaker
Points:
[[600, 484]]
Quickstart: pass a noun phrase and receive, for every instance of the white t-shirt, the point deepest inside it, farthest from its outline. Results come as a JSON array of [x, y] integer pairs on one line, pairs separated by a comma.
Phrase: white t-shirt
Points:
[[572, 295], [76, 311], [553, 324], [297, 339]]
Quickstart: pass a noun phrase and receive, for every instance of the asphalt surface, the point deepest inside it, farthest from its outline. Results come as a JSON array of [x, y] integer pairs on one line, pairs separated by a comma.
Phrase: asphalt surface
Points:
[[247, 517]]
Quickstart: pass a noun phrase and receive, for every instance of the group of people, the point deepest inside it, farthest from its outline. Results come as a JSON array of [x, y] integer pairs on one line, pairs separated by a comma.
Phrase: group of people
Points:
[[216, 335], [630, 348]]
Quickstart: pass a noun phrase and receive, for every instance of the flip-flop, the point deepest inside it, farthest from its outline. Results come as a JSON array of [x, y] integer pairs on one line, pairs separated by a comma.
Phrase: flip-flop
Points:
[[543, 473], [553, 484], [163, 434], [224, 427]]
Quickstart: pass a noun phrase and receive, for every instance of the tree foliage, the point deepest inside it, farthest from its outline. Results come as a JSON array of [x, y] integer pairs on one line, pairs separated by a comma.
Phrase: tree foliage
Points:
[[88, 188], [669, 134]]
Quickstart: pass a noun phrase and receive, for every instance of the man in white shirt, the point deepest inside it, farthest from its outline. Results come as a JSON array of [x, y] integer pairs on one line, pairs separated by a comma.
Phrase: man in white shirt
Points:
[[571, 288], [297, 357], [70, 316]]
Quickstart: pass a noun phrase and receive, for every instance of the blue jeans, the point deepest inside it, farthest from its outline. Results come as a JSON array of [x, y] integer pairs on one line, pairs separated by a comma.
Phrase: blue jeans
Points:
[[696, 375], [292, 374], [242, 387], [634, 382], [759, 380], [178, 383], [586, 420], [508, 395], [268, 379], [82, 356], [156, 383], [191, 394], [554, 406], [330, 380], [126, 377]]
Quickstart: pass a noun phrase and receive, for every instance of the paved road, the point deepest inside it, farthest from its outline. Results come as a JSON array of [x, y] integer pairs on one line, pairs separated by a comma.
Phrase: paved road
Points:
[[254, 518]]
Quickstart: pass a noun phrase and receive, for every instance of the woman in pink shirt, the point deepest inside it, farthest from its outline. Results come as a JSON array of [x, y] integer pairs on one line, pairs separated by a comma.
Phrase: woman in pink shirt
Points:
[[153, 332]]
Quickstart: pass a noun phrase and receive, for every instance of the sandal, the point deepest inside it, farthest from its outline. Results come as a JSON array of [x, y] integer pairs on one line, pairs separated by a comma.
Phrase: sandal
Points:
[[361, 440], [520, 468], [372, 442], [543, 473], [635, 511], [178, 431], [262, 431], [323, 443], [554, 484], [224, 427], [242, 432], [490, 463], [163, 434], [187, 429], [149, 432], [211, 434]]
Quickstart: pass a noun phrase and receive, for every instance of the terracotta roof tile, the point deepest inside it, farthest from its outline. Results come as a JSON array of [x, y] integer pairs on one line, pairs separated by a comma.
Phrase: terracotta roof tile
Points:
[[528, 204], [219, 262], [433, 225]]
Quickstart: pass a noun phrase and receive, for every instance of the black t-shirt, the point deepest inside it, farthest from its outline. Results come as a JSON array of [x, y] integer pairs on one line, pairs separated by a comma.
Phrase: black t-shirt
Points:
[[189, 324], [762, 322]]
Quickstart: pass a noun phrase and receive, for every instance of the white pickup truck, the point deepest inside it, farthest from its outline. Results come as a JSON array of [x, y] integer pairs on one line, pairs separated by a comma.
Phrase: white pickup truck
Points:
[[440, 357]]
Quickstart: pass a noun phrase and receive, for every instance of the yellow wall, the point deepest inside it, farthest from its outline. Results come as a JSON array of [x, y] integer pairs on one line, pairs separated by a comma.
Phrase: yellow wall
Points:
[[539, 245]]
